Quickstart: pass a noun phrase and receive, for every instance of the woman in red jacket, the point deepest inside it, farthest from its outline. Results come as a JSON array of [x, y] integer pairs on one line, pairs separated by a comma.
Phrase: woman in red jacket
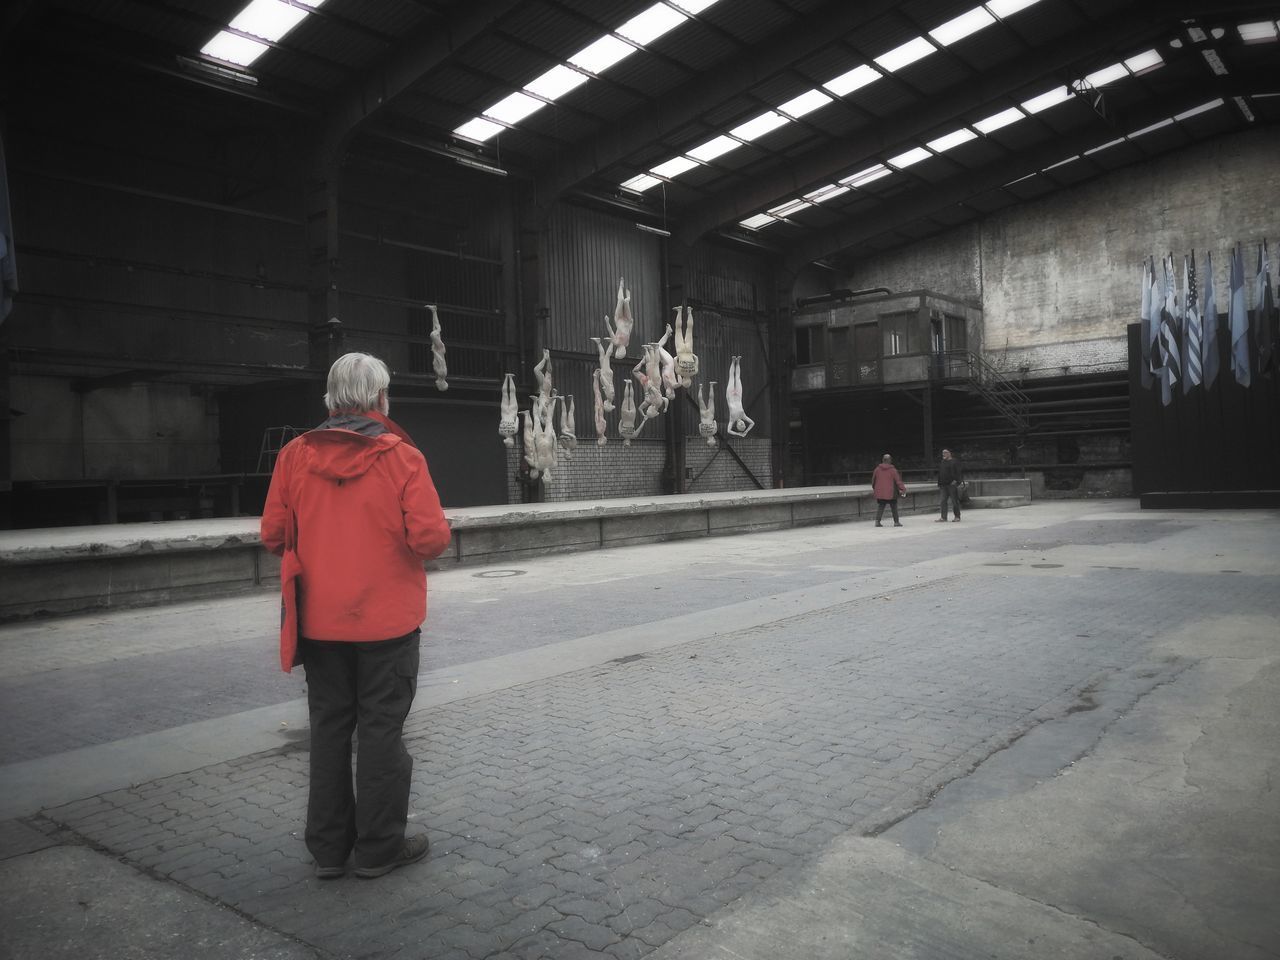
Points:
[[353, 512], [886, 486]]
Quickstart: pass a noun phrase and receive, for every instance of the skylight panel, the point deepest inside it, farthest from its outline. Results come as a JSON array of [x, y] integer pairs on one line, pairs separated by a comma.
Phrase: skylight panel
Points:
[[759, 126], [1061, 163], [785, 210], [855, 79], [234, 49], [1196, 111], [1046, 100], [674, 167], [904, 160], [267, 19], [556, 82], [641, 183], [1144, 61], [694, 6], [1166, 122], [962, 26], [863, 177], [758, 221], [479, 130], [649, 25], [807, 102], [1100, 78], [1005, 8], [603, 54], [514, 108], [998, 120], [823, 194], [953, 139], [1257, 32], [717, 146], [908, 53]]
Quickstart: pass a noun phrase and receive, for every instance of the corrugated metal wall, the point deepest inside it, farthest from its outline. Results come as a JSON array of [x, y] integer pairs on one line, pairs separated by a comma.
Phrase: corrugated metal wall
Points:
[[586, 252]]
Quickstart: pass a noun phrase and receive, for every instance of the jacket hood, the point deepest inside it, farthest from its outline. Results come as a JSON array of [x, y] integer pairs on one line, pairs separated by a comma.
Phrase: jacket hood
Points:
[[347, 446]]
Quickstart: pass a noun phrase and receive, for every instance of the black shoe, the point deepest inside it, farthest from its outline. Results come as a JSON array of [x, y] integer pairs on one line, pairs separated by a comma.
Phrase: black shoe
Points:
[[331, 873], [877, 523], [411, 851], [897, 524], [956, 520]]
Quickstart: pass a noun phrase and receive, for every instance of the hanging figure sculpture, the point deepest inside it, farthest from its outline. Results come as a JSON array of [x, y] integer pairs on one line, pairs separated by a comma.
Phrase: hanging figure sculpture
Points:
[[542, 374], [739, 424], [686, 359], [568, 426], [544, 440], [648, 373], [601, 426], [605, 372], [528, 418], [437, 351], [707, 414], [620, 330], [667, 365], [627, 416], [510, 410]]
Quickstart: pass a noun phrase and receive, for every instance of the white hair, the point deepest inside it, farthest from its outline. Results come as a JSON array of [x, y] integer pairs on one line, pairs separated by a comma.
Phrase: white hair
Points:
[[355, 381]]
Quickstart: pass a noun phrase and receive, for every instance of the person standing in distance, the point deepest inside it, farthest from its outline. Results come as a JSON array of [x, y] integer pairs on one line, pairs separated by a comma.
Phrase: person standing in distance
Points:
[[352, 509], [949, 476], [886, 487]]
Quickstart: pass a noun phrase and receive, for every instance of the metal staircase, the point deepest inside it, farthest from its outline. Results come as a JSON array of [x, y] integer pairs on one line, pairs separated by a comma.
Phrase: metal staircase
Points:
[[1000, 393]]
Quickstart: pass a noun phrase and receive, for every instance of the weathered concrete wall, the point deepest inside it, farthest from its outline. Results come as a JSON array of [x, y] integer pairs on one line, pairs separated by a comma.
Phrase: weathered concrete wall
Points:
[[1058, 278]]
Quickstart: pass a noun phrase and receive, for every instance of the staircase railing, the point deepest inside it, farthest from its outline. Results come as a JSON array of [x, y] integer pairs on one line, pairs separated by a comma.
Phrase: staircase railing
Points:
[[1001, 393]]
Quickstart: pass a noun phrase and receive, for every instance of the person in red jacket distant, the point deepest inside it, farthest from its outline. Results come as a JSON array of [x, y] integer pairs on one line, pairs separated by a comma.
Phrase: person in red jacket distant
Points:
[[353, 511], [886, 487]]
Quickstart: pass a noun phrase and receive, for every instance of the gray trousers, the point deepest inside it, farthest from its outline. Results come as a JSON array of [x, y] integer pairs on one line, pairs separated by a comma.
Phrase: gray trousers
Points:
[[365, 689]]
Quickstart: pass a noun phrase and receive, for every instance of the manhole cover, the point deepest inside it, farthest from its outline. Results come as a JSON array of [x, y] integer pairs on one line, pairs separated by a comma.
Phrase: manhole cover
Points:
[[1046, 566], [498, 574]]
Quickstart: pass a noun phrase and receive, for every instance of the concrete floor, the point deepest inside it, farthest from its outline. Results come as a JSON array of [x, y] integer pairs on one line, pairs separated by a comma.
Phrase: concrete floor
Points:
[[1042, 732]]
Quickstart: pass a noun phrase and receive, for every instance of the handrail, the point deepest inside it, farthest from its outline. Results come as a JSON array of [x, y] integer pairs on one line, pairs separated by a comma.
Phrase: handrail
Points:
[[993, 386]]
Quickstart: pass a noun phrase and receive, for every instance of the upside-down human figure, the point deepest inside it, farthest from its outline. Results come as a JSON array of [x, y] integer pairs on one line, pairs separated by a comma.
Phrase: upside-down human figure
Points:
[[627, 416], [542, 374], [437, 351], [510, 408], [568, 426], [707, 414], [601, 426], [686, 359], [604, 374], [739, 424], [667, 365], [623, 322]]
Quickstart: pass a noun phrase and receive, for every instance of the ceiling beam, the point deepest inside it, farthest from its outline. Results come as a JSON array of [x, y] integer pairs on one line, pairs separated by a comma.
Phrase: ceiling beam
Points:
[[921, 201], [641, 127], [818, 167]]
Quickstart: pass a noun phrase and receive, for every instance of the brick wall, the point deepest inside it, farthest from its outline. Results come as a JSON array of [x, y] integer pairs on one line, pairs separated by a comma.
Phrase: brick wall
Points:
[[597, 473], [1058, 278]]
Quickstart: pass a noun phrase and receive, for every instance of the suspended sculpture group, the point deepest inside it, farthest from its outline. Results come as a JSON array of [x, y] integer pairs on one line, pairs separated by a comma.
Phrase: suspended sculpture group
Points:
[[657, 377]]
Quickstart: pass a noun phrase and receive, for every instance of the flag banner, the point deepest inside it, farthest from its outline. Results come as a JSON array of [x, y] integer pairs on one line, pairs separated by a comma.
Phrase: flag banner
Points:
[[1238, 321], [1191, 350], [1172, 369], [1157, 299], [1209, 321], [1144, 337], [1262, 307]]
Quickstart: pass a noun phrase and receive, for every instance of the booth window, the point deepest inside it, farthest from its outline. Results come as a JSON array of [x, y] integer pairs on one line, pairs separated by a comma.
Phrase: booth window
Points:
[[898, 330], [810, 344]]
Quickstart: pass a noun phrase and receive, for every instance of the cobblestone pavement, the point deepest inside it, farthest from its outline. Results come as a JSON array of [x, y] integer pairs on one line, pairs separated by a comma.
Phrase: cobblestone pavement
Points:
[[602, 811]]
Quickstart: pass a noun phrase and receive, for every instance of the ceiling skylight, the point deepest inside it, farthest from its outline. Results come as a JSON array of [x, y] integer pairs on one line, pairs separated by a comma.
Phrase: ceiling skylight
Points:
[[1144, 61], [1196, 111], [962, 26], [1100, 78], [268, 19], [1115, 143], [758, 221], [596, 57], [998, 120], [717, 146], [904, 160], [953, 139], [823, 194], [674, 167], [909, 52], [759, 126], [848, 82], [807, 102], [646, 27], [1005, 8], [641, 183], [1046, 100], [787, 209], [863, 177]]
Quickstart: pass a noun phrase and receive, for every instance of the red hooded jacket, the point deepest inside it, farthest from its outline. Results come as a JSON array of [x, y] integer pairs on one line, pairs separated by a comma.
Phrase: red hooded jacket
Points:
[[367, 516], [884, 479]]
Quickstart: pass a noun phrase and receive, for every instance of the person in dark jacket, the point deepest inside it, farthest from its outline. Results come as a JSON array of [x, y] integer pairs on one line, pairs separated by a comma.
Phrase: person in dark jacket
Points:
[[886, 487], [950, 476], [353, 511]]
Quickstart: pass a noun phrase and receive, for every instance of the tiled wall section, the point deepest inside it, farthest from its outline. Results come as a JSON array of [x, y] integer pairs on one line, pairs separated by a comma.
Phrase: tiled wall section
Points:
[[597, 473]]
